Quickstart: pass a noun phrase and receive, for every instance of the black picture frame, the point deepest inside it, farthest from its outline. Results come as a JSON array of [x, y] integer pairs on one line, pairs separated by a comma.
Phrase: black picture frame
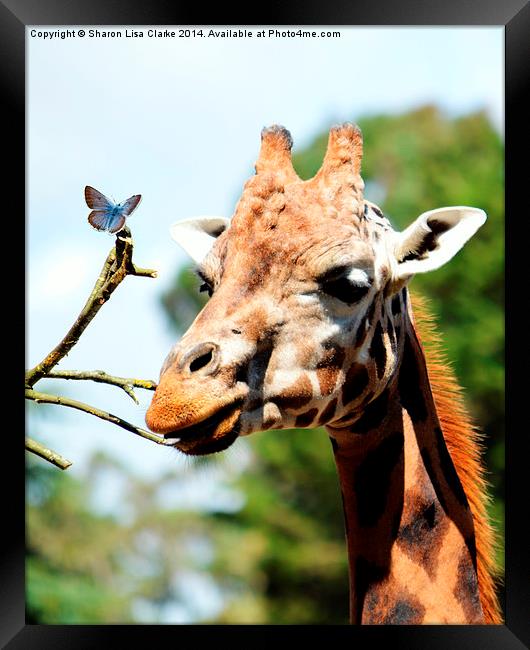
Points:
[[514, 15]]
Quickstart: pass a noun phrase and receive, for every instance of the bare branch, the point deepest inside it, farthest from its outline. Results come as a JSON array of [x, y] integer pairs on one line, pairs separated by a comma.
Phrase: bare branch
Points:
[[117, 266], [104, 415], [146, 273], [49, 455], [126, 383]]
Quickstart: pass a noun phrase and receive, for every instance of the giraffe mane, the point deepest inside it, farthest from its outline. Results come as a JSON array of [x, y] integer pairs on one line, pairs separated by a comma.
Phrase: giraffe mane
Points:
[[465, 444]]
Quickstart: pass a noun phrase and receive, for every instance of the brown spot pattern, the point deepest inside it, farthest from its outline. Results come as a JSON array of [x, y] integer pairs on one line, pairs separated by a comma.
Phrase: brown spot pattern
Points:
[[306, 419], [355, 383], [424, 528], [361, 333], [401, 609], [410, 389], [372, 480], [378, 350], [396, 304], [466, 591], [448, 469], [387, 603], [328, 412], [373, 414], [429, 467], [370, 313], [297, 395], [328, 369]]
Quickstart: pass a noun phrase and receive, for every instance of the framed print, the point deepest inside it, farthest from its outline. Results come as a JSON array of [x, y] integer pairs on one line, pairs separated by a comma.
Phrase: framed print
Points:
[[247, 143]]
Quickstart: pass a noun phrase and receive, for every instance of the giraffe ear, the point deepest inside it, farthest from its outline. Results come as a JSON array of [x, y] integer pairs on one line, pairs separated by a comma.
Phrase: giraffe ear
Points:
[[197, 235], [434, 238]]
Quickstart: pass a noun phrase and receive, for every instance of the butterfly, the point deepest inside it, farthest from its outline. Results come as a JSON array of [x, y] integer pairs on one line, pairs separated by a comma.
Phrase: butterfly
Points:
[[107, 215]]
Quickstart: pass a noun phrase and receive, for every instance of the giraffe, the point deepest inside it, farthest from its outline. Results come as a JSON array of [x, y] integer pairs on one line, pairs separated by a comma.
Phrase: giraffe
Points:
[[310, 324]]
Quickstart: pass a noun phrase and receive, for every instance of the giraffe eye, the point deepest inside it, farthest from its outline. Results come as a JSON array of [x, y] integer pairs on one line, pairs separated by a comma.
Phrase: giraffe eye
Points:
[[344, 290]]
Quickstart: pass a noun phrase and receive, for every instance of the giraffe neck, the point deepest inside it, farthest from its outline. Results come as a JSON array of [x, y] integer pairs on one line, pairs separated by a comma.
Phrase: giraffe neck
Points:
[[409, 529]]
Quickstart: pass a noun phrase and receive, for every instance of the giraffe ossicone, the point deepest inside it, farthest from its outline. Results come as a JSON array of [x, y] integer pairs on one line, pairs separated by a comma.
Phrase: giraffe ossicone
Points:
[[310, 324]]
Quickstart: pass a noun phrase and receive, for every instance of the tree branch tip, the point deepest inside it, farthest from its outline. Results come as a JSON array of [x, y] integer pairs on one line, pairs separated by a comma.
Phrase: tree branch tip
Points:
[[91, 410], [128, 389], [47, 454], [149, 273], [167, 443]]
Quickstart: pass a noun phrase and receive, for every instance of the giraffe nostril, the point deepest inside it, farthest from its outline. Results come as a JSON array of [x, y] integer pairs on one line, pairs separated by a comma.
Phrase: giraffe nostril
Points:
[[203, 356], [201, 361]]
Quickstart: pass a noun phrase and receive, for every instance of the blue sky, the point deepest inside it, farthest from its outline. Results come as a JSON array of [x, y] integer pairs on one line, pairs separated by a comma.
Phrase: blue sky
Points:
[[179, 121]]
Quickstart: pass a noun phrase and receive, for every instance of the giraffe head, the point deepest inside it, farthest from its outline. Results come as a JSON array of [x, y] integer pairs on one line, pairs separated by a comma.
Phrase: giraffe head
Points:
[[306, 279]]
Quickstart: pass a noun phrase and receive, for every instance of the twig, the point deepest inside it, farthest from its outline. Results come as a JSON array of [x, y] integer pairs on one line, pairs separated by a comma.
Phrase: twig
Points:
[[49, 455], [100, 376], [45, 398], [117, 266]]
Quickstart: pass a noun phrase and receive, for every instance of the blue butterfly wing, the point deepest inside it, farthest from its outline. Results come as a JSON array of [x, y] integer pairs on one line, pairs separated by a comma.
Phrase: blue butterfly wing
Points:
[[117, 221], [127, 207], [96, 200], [106, 220]]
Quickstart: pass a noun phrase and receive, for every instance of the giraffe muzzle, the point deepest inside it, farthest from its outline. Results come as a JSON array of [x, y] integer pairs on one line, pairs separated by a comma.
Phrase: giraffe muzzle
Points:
[[197, 403], [211, 435]]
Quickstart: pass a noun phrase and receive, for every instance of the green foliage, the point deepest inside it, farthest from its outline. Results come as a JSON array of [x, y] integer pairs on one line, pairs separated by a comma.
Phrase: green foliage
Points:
[[86, 566], [69, 576]]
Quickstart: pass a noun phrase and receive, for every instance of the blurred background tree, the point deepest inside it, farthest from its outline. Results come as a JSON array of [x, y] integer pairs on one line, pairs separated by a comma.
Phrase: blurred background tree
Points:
[[280, 556]]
